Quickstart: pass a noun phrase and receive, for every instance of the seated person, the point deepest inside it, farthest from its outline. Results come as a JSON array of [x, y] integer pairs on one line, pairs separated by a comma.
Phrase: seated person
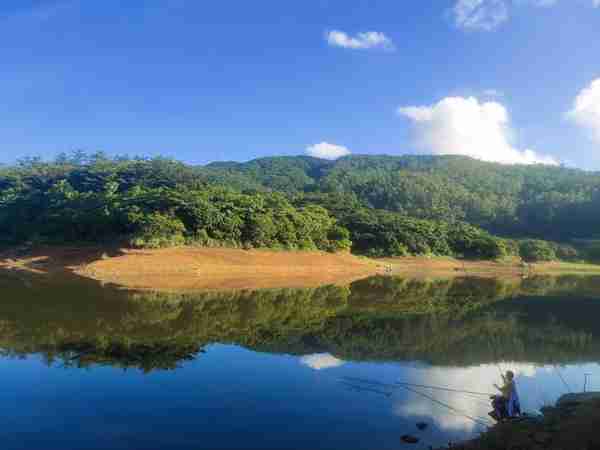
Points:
[[507, 404]]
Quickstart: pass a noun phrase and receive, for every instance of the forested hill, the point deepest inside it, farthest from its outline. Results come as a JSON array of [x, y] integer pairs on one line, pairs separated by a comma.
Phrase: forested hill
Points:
[[375, 205], [517, 200]]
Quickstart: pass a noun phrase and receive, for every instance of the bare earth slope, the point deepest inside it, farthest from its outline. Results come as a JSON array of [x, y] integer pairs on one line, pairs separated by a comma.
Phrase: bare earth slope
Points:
[[195, 268], [202, 268], [192, 268]]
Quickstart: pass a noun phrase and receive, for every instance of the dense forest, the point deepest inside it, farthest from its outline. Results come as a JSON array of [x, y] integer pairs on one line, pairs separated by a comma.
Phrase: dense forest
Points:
[[374, 205]]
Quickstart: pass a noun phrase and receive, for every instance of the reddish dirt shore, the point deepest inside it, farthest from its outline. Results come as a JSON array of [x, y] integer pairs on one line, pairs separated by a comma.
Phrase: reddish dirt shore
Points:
[[195, 268], [192, 268]]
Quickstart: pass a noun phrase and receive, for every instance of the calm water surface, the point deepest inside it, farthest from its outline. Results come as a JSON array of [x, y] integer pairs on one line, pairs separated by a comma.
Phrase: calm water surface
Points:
[[91, 367]]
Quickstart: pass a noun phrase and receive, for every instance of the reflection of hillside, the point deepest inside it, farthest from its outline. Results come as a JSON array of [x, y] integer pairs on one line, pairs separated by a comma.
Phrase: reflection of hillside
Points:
[[460, 321]]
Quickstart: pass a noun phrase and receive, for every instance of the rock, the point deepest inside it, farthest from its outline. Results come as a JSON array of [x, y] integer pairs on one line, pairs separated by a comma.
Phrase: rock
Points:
[[421, 425], [408, 439], [570, 399]]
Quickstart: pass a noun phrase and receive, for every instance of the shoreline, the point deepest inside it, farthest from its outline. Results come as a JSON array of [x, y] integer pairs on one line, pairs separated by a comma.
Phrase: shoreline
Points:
[[197, 268], [193, 268], [448, 267], [566, 425]]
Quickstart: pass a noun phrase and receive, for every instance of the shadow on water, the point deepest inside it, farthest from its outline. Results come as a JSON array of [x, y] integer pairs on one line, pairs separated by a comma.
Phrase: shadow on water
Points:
[[460, 322]]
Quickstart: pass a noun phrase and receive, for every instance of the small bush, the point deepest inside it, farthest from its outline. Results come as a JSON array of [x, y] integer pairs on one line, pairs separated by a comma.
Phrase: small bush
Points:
[[566, 252], [536, 251], [339, 239], [512, 247], [158, 230], [488, 247]]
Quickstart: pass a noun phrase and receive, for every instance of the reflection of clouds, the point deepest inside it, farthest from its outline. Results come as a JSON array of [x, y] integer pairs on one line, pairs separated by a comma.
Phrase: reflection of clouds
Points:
[[477, 379], [321, 361]]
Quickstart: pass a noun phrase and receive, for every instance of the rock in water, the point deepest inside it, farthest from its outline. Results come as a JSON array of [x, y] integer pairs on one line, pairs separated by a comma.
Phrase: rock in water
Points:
[[407, 438], [578, 398], [421, 425]]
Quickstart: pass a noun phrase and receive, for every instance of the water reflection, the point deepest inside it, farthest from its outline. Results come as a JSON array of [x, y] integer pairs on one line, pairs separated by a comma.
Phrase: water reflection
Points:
[[252, 361], [459, 322]]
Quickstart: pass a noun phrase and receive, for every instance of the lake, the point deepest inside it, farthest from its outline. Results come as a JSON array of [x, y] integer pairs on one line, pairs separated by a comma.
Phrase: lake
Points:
[[90, 367]]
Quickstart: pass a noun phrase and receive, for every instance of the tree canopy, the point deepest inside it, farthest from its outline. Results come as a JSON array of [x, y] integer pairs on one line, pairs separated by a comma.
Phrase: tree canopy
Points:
[[376, 205]]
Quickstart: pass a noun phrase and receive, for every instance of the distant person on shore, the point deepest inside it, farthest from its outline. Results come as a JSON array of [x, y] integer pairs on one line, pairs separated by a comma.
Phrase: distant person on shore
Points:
[[507, 404]]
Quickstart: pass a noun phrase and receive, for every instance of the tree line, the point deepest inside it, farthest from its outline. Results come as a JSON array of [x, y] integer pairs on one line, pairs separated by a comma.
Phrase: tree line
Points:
[[374, 205]]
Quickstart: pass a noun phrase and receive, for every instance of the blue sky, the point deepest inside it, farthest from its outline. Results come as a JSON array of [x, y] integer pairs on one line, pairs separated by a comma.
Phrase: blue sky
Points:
[[505, 80]]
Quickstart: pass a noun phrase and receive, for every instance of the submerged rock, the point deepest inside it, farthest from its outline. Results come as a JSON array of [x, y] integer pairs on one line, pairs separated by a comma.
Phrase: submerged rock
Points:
[[409, 439]]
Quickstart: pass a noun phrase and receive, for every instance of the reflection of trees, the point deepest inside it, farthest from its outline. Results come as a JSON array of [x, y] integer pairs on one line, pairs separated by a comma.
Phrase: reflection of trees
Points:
[[460, 321]]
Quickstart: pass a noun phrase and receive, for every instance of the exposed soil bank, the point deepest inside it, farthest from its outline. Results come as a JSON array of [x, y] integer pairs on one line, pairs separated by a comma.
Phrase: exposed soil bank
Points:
[[571, 426], [192, 268], [445, 267]]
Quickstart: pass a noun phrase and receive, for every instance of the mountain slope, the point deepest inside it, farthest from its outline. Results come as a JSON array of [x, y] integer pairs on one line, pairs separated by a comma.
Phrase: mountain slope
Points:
[[541, 201]]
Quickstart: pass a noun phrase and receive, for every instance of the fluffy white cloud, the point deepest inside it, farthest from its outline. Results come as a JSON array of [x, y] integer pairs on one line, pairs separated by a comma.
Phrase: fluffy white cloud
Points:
[[361, 41], [326, 150], [320, 361], [466, 126], [586, 109]]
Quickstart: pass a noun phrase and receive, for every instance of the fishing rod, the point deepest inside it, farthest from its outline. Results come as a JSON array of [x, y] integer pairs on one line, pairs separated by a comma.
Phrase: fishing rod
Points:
[[438, 388], [401, 384], [497, 360], [366, 389], [478, 420], [394, 386]]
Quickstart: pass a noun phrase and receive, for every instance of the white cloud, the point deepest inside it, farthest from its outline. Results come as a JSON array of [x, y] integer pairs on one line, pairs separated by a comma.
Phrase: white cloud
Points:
[[326, 150], [320, 361], [483, 15], [361, 41], [487, 15], [595, 3], [466, 126], [542, 3], [586, 109]]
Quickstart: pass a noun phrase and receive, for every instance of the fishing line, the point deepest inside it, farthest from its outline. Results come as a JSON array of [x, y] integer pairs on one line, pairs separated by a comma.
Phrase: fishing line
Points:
[[497, 359], [478, 420], [401, 383], [364, 389], [562, 379]]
